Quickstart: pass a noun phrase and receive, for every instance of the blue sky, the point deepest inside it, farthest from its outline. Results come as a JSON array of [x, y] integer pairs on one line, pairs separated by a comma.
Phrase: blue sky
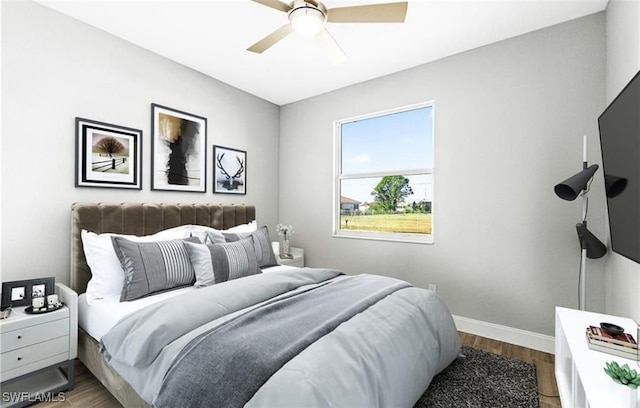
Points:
[[398, 141]]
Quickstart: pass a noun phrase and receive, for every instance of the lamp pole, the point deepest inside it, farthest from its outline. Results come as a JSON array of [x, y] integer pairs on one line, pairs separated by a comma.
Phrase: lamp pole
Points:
[[583, 241], [590, 246]]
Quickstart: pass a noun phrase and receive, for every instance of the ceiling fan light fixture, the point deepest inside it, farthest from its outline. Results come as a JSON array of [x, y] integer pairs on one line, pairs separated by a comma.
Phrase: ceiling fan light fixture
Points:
[[307, 21]]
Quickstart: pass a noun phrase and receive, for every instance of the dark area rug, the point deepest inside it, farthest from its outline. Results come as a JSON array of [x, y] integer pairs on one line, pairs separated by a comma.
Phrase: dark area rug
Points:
[[483, 380]]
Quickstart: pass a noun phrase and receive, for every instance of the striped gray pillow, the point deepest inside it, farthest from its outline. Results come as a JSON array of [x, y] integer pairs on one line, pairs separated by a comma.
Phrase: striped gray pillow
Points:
[[151, 267], [215, 263], [261, 243]]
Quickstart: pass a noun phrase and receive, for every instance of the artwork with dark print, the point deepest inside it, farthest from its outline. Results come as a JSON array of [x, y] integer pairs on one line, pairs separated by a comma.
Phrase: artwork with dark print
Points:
[[182, 137], [179, 150], [230, 170]]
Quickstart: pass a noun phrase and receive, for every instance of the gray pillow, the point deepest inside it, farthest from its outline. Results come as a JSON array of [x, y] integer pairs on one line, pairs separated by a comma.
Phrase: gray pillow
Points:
[[151, 267], [215, 263], [261, 243]]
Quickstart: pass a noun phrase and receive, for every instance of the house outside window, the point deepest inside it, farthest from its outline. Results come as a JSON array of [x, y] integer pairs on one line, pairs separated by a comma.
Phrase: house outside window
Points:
[[384, 165]]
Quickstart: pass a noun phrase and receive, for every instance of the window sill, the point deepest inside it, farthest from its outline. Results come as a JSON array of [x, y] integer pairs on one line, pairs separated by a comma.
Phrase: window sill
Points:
[[373, 236]]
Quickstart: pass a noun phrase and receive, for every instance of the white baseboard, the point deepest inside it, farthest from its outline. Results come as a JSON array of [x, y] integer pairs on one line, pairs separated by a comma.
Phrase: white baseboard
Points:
[[506, 334]]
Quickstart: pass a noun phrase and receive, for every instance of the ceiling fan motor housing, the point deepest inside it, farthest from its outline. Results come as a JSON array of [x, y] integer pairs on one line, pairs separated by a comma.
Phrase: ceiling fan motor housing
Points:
[[307, 17]]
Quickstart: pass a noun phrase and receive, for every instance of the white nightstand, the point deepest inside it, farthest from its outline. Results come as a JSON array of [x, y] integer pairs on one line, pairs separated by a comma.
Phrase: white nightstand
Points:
[[298, 256], [34, 348], [581, 379]]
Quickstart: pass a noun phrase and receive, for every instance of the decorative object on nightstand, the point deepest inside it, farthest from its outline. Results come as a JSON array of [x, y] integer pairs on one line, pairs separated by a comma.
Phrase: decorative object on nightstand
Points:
[[590, 246], [22, 292], [284, 233], [297, 256], [34, 350]]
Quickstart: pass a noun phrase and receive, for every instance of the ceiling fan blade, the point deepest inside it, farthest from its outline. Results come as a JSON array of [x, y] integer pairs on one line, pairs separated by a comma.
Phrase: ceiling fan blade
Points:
[[331, 47], [264, 44], [372, 13], [275, 4]]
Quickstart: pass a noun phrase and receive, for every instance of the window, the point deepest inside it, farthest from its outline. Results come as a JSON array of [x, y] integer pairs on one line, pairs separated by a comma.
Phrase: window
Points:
[[384, 175]]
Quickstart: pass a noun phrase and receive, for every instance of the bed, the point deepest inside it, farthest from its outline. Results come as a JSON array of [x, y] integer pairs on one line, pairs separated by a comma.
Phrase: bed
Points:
[[382, 349]]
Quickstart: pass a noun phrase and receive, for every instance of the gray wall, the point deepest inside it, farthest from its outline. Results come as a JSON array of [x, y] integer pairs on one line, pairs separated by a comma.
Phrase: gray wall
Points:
[[55, 68], [623, 61], [509, 120]]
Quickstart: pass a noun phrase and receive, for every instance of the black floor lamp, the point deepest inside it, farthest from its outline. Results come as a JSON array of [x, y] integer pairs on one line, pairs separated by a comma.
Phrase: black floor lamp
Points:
[[591, 247]]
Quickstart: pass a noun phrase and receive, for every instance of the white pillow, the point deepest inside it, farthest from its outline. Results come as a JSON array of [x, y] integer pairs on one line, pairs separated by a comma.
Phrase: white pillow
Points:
[[207, 235], [107, 276], [250, 227]]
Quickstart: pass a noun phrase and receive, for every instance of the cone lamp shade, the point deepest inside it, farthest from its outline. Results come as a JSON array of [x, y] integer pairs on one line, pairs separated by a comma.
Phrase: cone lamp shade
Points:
[[573, 186], [595, 248]]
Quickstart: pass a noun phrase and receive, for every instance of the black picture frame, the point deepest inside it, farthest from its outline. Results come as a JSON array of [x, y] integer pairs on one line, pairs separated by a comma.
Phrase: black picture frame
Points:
[[108, 155], [230, 170], [178, 150], [20, 293]]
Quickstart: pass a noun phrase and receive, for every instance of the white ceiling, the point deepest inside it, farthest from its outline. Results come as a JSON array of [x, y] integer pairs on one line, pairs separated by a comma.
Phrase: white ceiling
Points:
[[211, 36]]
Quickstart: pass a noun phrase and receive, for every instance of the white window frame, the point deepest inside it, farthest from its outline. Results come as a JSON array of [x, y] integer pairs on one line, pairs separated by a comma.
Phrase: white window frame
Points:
[[338, 177]]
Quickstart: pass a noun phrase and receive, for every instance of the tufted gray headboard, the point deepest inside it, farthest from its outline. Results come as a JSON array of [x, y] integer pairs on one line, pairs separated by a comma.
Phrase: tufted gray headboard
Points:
[[143, 219]]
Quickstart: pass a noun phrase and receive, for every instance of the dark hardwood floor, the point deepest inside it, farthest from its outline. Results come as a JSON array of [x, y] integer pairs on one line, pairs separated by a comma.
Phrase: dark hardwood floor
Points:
[[88, 392]]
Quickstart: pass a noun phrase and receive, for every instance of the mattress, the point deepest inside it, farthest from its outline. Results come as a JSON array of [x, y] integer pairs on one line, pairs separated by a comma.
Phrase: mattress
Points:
[[99, 317]]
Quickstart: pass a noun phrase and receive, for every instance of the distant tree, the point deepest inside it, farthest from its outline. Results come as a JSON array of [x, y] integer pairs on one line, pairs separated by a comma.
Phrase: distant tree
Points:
[[109, 145], [391, 191], [422, 207], [374, 208]]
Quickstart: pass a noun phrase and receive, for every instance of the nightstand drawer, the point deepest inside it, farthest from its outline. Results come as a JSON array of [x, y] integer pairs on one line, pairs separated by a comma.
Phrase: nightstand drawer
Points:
[[34, 334], [31, 354]]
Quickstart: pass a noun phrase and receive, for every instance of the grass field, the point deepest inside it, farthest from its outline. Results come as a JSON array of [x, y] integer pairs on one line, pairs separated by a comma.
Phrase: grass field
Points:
[[407, 223]]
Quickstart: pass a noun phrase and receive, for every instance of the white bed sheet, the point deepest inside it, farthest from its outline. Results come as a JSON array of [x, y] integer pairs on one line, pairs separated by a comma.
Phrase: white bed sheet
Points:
[[99, 317]]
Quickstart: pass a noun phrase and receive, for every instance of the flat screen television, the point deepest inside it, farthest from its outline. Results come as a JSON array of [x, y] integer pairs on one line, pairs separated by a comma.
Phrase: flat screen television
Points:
[[620, 143]]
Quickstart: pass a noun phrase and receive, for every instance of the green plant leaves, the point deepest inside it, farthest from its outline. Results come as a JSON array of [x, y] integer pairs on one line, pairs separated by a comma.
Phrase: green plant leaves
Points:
[[623, 375]]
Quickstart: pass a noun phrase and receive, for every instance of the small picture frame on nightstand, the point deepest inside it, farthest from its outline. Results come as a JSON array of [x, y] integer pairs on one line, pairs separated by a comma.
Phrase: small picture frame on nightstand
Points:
[[21, 293]]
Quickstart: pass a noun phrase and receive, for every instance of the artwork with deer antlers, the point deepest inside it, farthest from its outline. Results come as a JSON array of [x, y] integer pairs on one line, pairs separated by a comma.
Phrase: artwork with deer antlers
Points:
[[230, 167]]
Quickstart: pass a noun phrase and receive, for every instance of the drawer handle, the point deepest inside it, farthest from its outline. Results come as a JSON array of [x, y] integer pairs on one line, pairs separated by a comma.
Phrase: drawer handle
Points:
[[19, 336], [19, 358]]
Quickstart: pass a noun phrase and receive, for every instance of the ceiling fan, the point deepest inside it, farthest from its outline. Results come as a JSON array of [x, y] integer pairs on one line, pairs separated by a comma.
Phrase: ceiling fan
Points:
[[308, 18]]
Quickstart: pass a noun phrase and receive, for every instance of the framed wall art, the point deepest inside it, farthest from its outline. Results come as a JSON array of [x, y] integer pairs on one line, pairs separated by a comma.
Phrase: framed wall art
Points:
[[179, 154], [108, 155], [20, 293], [230, 170]]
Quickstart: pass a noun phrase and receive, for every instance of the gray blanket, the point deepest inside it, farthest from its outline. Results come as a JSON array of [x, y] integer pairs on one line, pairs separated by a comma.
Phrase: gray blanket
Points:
[[225, 366], [139, 338]]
